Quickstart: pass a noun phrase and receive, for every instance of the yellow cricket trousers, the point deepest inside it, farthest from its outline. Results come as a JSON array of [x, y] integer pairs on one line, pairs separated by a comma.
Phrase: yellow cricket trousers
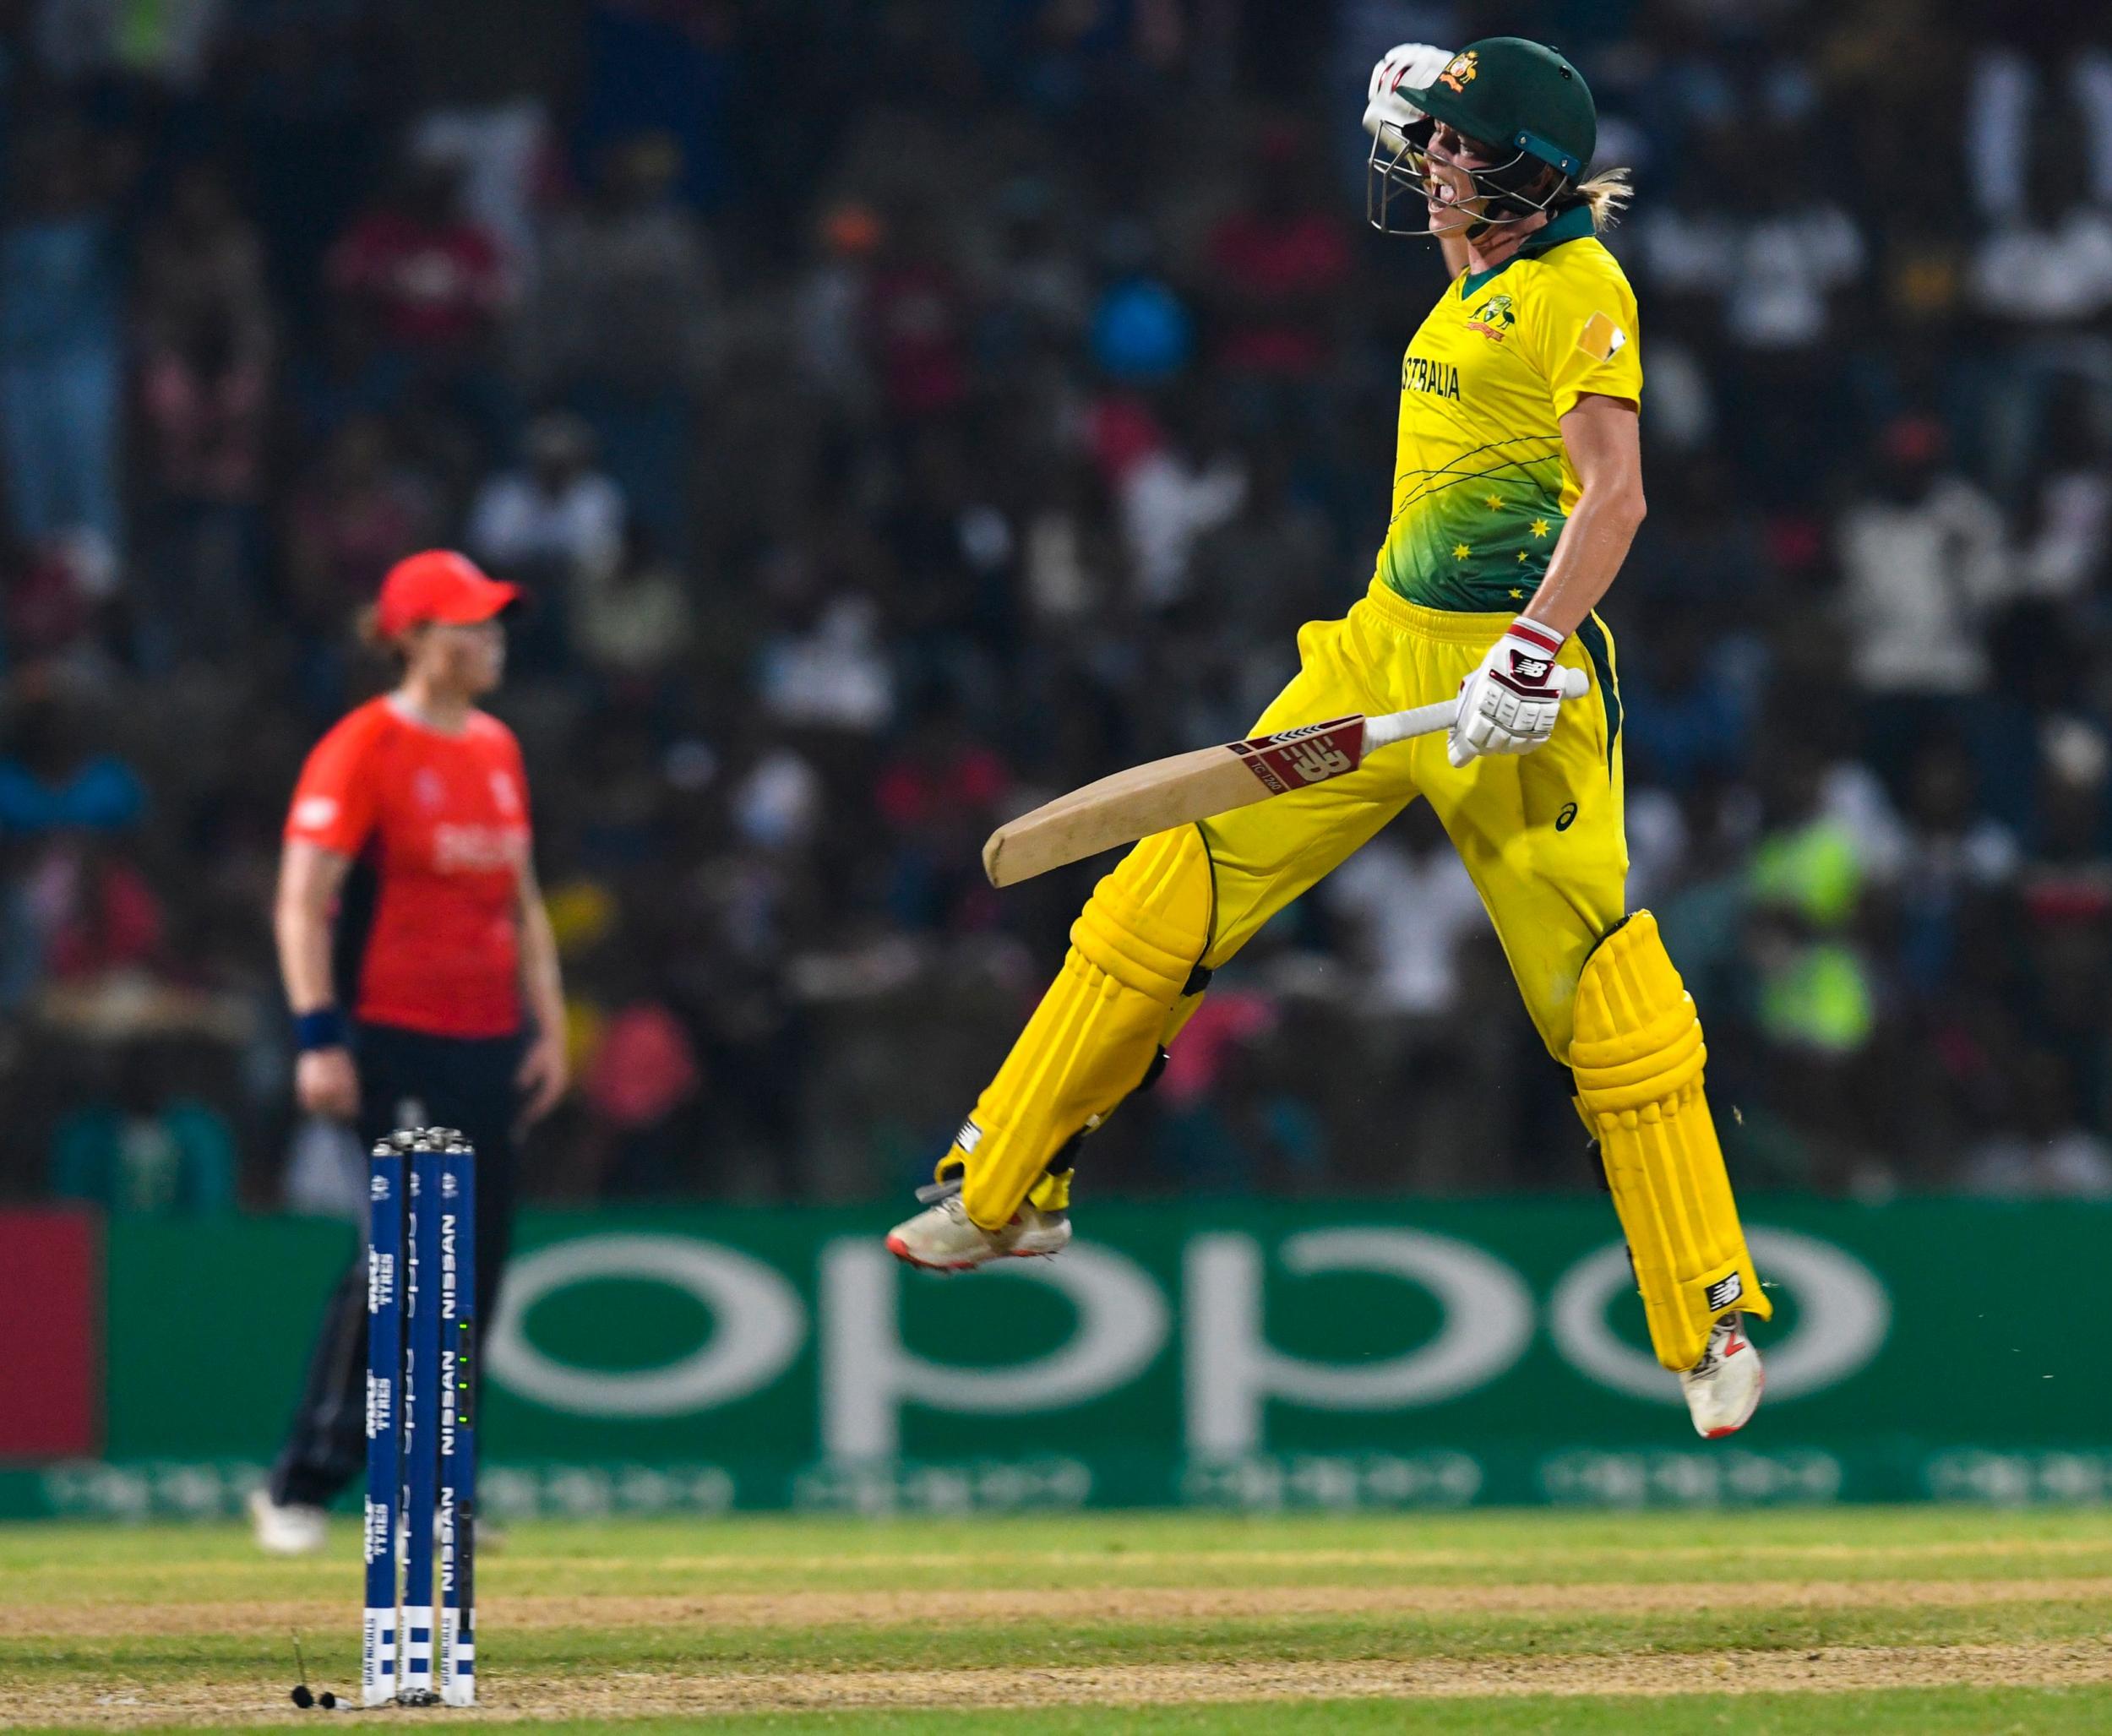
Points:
[[1540, 833]]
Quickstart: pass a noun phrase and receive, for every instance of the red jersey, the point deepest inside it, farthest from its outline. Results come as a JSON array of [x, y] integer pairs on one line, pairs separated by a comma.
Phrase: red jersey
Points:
[[444, 821], [438, 286]]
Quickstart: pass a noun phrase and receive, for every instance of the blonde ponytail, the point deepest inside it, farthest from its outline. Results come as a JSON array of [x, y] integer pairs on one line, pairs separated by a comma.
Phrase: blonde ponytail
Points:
[[1606, 194]]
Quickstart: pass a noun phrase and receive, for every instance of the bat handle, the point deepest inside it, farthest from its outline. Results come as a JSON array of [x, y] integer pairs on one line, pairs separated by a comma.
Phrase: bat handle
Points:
[[1391, 726]]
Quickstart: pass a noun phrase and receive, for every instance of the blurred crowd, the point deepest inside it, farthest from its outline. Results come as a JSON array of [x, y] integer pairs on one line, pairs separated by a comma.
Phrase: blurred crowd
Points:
[[900, 413]]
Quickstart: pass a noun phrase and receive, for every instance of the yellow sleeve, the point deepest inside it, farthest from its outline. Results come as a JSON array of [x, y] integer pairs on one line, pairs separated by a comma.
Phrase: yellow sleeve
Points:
[[1579, 329]]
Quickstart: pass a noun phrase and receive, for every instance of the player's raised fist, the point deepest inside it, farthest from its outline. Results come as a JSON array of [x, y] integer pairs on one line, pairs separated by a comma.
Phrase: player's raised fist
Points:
[[1408, 66]]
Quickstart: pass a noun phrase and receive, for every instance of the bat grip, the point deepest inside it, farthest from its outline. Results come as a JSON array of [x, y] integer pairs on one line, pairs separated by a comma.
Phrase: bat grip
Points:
[[1391, 726]]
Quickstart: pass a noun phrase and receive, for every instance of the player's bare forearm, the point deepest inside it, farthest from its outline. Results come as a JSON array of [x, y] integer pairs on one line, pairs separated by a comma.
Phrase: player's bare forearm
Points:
[[1605, 446], [1594, 543], [545, 1071], [541, 977], [310, 878]]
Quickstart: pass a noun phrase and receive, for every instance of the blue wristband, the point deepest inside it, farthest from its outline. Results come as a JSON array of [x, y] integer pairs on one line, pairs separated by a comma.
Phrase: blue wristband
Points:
[[322, 1029]]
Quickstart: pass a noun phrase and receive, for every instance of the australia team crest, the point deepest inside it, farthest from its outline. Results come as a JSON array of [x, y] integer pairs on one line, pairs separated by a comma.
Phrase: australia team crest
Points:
[[1492, 319]]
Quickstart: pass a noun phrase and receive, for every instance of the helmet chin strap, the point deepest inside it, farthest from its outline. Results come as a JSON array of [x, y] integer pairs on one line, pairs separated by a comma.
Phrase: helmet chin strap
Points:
[[1484, 224], [1479, 226]]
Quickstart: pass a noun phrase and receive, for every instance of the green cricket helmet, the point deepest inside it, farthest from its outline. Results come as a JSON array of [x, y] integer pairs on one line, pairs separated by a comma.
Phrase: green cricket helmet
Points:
[[1505, 94]]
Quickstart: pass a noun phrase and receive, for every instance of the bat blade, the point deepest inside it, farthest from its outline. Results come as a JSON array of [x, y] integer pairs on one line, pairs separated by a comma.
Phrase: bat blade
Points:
[[1165, 793], [1188, 787]]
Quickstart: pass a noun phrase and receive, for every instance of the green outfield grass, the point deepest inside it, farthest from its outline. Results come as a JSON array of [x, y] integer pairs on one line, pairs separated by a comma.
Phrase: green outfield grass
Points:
[[1895, 1619], [1988, 1712]]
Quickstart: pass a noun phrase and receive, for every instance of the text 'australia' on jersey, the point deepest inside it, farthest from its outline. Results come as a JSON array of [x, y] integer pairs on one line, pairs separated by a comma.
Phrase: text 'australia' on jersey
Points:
[[1481, 483]]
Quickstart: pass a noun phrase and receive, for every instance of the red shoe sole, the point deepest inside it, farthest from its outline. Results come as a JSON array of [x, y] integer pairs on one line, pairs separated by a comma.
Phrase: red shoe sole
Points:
[[1733, 1428], [896, 1247], [900, 1249]]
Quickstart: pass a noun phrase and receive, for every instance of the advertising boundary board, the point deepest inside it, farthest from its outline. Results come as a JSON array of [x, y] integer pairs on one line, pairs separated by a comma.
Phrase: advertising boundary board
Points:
[[1330, 1355]]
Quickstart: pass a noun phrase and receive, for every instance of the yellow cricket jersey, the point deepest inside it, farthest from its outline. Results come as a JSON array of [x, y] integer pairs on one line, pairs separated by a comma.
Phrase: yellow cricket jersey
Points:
[[1483, 485]]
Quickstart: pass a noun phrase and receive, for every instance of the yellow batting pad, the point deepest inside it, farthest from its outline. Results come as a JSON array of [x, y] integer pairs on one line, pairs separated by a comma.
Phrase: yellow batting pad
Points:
[[1096, 1031], [1637, 1055], [1148, 922]]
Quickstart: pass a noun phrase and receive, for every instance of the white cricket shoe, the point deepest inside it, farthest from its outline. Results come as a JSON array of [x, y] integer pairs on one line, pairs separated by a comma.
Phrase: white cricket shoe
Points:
[[1723, 1389], [944, 1239], [291, 1530]]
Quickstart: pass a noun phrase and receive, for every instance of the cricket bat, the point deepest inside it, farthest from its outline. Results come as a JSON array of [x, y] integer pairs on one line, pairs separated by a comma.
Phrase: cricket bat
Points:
[[1185, 788]]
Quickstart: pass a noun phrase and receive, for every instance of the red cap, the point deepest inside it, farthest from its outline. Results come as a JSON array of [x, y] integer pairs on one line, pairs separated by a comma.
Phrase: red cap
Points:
[[439, 585]]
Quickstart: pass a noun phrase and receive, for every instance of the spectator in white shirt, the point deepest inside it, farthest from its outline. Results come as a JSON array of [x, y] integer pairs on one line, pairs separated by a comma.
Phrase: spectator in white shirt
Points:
[[2070, 534], [1409, 908], [1924, 559], [555, 524], [555, 527]]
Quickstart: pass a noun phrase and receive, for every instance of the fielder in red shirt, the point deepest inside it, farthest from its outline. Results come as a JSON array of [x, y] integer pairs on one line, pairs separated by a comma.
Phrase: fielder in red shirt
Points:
[[440, 816], [418, 962]]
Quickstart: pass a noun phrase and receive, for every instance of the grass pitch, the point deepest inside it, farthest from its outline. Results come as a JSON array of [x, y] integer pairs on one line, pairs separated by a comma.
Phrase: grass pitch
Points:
[[1897, 1620]]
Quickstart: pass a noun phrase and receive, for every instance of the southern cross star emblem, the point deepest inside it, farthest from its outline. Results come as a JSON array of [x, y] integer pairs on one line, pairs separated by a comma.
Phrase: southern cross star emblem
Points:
[[1492, 501], [1521, 554], [1460, 550], [1539, 527]]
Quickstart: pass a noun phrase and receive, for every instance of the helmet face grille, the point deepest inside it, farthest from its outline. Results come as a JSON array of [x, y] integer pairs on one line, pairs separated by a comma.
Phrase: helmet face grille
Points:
[[1394, 177], [1399, 175]]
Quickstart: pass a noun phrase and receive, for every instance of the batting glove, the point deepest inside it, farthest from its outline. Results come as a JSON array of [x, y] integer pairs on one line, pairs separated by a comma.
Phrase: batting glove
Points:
[[1510, 703], [1410, 66]]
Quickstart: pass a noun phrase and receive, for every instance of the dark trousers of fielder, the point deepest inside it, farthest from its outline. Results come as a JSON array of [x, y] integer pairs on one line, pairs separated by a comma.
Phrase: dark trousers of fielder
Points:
[[407, 1078]]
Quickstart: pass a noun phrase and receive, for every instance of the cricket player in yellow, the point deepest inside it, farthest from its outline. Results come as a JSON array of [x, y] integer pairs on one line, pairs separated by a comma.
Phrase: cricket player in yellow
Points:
[[1517, 491]]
